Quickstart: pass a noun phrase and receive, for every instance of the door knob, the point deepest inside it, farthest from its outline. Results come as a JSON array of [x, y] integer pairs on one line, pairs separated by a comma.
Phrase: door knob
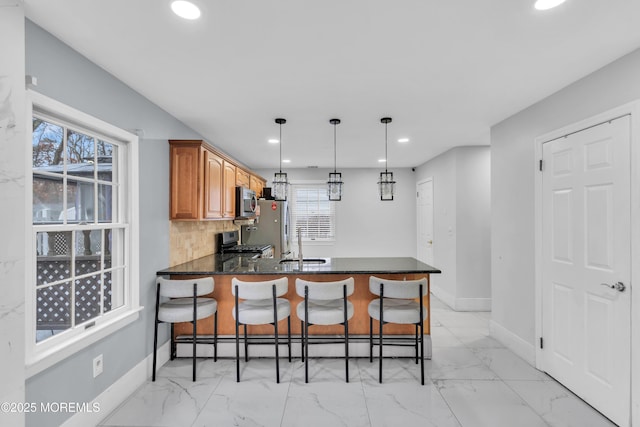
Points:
[[618, 286], [430, 242]]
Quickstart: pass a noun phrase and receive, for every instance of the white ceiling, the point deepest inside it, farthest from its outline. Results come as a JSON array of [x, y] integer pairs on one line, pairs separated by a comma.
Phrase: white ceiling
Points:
[[445, 71]]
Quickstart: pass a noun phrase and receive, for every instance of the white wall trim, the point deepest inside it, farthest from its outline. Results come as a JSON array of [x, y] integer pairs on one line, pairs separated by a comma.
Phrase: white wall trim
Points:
[[117, 392], [632, 108], [513, 342]]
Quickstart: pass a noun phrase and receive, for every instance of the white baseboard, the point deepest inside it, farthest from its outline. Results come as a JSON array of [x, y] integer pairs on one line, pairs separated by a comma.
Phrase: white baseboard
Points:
[[513, 342], [472, 304], [444, 296], [461, 304], [117, 392]]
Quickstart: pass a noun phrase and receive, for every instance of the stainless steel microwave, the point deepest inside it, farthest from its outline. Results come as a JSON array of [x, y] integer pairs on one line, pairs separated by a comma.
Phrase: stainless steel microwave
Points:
[[246, 202]]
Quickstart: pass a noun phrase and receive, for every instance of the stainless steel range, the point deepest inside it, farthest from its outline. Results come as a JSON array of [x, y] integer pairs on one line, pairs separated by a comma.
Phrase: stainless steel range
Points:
[[228, 244]]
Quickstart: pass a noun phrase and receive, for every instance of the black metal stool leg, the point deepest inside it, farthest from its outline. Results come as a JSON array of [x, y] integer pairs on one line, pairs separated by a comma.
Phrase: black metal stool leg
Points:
[[173, 344], [246, 344], [381, 323], [370, 339], [215, 336], [417, 343], [306, 333], [275, 327], [422, 352], [289, 336], [237, 339], [346, 333], [155, 332], [346, 348], [193, 361], [302, 341]]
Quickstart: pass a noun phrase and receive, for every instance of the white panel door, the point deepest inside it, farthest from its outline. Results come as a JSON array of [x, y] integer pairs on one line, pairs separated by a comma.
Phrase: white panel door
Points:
[[586, 317], [425, 221]]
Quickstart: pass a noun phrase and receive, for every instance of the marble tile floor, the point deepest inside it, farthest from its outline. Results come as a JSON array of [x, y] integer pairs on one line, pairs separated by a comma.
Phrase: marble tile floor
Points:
[[471, 381]]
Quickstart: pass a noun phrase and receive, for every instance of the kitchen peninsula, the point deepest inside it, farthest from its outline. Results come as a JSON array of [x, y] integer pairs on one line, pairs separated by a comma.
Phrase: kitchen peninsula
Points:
[[223, 268]]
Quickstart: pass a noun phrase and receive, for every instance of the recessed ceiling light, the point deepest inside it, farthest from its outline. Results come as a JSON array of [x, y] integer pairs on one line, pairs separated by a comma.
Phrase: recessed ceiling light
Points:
[[185, 9], [382, 160], [547, 4], [273, 141], [286, 161], [403, 140]]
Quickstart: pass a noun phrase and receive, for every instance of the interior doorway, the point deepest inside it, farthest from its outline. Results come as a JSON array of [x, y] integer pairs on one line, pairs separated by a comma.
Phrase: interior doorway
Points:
[[424, 215], [583, 261]]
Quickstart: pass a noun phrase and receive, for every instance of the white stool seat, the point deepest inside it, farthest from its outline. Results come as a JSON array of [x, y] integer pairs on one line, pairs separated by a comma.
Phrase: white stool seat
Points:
[[257, 303], [397, 304], [260, 312], [325, 312], [181, 309], [397, 311], [185, 295], [325, 303]]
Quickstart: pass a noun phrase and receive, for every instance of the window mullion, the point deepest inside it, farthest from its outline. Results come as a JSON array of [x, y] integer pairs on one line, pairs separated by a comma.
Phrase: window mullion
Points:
[[102, 270], [73, 278], [65, 182]]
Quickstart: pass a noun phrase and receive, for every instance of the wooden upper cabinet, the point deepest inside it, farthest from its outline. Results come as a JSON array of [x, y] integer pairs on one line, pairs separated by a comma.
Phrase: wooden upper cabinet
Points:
[[242, 178], [203, 182], [186, 179], [213, 179], [256, 184], [229, 186]]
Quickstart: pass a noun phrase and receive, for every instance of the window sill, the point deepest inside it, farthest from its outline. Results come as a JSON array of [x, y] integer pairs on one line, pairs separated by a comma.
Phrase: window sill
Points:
[[318, 243], [45, 359]]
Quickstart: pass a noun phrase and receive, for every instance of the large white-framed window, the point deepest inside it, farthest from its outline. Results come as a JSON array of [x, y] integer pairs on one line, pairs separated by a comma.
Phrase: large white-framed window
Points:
[[312, 212], [82, 260]]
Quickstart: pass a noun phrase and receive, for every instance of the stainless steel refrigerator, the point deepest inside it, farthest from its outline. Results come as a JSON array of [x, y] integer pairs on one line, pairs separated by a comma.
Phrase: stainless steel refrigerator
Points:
[[272, 227]]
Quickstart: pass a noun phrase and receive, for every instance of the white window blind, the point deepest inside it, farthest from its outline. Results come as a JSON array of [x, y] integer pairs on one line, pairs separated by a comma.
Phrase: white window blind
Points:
[[312, 212]]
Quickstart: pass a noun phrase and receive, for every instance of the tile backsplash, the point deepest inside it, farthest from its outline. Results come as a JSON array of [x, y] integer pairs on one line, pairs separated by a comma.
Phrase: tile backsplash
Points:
[[189, 240]]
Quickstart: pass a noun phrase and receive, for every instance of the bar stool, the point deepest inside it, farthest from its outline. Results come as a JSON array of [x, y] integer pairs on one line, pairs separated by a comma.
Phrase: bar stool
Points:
[[184, 305], [397, 304], [325, 303], [260, 306]]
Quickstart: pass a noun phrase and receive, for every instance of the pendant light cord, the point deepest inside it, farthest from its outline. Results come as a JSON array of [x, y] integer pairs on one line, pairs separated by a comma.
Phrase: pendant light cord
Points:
[[280, 143], [386, 156], [334, 149]]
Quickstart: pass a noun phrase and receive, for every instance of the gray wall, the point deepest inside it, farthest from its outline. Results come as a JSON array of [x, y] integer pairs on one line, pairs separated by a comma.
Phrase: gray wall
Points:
[[13, 211], [461, 226], [70, 78], [474, 222], [512, 181], [366, 226]]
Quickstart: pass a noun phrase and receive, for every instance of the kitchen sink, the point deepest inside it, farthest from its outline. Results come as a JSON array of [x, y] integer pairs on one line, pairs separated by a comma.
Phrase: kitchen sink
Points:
[[304, 261]]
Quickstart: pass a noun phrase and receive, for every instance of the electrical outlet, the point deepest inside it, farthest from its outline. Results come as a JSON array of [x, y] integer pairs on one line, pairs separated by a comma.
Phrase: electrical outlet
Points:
[[97, 366]]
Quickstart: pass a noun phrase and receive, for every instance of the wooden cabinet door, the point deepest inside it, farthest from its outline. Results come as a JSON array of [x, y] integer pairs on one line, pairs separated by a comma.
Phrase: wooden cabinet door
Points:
[[185, 182], [213, 179], [256, 184], [242, 178], [229, 190]]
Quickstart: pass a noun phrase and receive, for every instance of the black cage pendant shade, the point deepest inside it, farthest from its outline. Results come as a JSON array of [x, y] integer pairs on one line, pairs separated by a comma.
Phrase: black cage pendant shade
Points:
[[334, 185], [386, 184], [280, 181]]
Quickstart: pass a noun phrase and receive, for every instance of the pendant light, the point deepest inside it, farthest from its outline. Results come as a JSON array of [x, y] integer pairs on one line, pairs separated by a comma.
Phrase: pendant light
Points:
[[334, 185], [386, 185], [280, 181]]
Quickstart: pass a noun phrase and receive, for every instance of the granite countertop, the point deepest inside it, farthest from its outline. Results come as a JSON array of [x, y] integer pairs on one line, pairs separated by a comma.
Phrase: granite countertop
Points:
[[228, 264]]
